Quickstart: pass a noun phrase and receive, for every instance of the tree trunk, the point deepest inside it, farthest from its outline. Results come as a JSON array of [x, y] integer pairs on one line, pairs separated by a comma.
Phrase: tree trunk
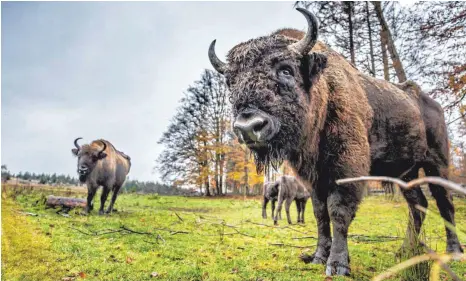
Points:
[[205, 167], [221, 173], [217, 184], [349, 11], [207, 187], [383, 44], [55, 201], [386, 34], [371, 46]]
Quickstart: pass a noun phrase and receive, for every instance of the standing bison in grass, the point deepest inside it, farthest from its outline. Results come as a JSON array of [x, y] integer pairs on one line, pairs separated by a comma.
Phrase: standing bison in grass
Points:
[[289, 190], [270, 193], [286, 189], [100, 164], [296, 99]]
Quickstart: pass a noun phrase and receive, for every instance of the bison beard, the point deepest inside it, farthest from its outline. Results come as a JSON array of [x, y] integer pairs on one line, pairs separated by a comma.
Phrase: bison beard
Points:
[[82, 178], [330, 121]]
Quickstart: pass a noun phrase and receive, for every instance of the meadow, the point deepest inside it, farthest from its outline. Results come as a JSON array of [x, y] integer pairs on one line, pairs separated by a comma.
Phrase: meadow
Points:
[[153, 237]]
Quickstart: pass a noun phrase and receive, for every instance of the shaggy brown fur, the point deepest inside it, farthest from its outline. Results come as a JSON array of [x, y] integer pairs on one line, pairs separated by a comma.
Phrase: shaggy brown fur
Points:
[[331, 122], [107, 168]]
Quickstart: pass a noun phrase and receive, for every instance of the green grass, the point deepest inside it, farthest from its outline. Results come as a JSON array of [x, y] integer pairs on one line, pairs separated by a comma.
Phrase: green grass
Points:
[[53, 247]]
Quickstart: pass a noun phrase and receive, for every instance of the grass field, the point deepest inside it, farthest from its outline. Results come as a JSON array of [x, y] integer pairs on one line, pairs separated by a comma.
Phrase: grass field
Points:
[[176, 238]]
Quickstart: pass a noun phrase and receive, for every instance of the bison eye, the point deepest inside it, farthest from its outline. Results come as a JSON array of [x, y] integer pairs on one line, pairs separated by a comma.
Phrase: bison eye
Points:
[[285, 71]]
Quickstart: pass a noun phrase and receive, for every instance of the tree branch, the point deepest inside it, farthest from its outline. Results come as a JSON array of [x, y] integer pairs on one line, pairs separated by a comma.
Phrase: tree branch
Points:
[[408, 185]]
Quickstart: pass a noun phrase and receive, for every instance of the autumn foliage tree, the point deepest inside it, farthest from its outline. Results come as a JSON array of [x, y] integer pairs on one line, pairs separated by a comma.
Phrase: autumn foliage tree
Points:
[[199, 149], [242, 176]]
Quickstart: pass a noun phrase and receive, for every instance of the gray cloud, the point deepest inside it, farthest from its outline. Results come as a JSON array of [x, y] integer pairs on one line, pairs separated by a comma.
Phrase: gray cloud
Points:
[[110, 70]]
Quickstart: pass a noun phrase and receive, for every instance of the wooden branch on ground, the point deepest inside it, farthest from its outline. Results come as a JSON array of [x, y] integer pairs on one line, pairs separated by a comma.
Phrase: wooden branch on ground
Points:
[[366, 238], [178, 217], [123, 230], [29, 214], [66, 202], [235, 228], [279, 227], [305, 237], [173, 232], [292, 246]]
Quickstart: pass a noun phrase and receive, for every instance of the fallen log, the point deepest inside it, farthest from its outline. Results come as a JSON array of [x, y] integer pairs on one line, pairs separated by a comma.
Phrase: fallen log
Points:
[[65, 202]]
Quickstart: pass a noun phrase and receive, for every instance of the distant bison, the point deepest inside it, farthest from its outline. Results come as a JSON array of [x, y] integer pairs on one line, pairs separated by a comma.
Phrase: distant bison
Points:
[[295, 99], [289, 190], [270, 193], [100, 164], [286, 189]]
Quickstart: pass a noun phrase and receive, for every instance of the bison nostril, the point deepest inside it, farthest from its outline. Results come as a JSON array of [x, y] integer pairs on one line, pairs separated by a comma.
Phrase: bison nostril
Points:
[[83, 168], [260, 125]]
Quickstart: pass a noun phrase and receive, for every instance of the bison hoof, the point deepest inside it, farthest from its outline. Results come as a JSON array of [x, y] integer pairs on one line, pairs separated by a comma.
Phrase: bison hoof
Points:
[[289, 222], [275, 222], [454, 249], [336, 268], [101, 212], [312, 259]]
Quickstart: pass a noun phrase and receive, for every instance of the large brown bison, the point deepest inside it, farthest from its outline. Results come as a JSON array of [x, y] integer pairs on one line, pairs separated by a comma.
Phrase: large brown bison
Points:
[[101, 164], [294, 98]]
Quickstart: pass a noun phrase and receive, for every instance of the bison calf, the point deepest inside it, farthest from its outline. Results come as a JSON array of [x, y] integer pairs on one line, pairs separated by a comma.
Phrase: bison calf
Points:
[[289, 189], [100, 164], [270, 194]]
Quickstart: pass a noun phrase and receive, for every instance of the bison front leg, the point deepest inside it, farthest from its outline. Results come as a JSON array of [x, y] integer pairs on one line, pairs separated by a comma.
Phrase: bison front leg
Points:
[[444, 201], [264, 207], [324, 239], [91, 190], [287, 209], [103, 198], [303, 209], [298, 209], [112, 202], [342, 206], [278, 213]]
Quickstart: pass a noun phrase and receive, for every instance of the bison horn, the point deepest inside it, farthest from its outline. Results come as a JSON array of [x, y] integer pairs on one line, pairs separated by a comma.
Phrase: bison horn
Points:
[[76, 143], [105, 146], [304, 46], [219, 65]]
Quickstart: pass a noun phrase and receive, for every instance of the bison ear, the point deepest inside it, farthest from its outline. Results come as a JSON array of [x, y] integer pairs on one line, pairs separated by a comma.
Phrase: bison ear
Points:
[[317, 63], [102, 155], [74, 151]]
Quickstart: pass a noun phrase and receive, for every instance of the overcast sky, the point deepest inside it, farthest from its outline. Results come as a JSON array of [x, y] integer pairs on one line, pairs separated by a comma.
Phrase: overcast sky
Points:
[[110, 70]]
